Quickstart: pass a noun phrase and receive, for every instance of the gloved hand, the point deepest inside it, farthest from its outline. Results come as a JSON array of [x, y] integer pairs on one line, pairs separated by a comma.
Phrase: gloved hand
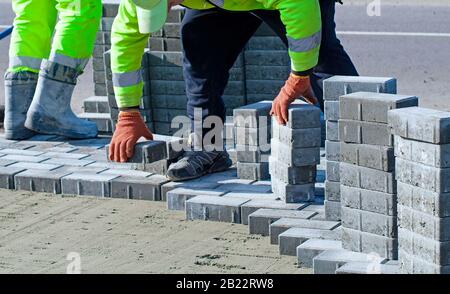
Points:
[[129, 129], [295, 87]]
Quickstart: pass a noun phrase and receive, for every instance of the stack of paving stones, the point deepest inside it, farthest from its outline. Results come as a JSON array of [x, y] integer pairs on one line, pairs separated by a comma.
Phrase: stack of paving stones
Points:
[[295, 153], [253, 131], [422, 150], [258, 74], [335, 87], [367, 172]]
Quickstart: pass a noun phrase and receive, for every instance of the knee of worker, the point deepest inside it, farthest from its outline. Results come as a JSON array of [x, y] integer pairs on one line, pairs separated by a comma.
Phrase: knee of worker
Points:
[[81, 16]]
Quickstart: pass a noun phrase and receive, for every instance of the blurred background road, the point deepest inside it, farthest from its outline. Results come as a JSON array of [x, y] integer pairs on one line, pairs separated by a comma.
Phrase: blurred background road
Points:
[[409, 41]]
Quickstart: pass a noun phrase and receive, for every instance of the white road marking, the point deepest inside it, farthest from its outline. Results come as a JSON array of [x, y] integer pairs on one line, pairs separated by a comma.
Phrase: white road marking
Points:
[[4, 26], [401, 34]]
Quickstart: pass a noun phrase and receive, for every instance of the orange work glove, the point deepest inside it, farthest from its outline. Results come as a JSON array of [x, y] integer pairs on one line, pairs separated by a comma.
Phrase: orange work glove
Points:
[[129, 129], [295, 87]]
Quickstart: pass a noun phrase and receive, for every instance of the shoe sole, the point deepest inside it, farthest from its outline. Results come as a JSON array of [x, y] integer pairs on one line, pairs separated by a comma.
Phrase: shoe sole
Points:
[[49, 126], [211, 170]]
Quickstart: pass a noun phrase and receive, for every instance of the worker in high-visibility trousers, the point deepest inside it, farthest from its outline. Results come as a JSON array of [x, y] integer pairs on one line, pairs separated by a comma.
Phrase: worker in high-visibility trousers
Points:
[[212, 38], [42, 72]]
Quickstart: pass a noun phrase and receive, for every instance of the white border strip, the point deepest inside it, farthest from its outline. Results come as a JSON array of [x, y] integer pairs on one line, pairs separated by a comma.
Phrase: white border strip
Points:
[[402, 34]]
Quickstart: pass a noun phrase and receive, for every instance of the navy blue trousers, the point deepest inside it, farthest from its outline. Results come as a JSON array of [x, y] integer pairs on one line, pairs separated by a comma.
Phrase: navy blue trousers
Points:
[[213, 39]]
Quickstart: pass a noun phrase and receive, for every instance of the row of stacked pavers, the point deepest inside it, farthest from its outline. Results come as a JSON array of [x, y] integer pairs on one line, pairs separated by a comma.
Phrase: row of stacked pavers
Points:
[[252, 131], [324, 250], [422, 150], [298, 215], [335, 87], [367, 173]]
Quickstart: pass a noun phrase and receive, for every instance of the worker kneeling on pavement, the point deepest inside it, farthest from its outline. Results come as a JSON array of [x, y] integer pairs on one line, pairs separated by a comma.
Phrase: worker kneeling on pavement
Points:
[[42, 73], [212, 39]]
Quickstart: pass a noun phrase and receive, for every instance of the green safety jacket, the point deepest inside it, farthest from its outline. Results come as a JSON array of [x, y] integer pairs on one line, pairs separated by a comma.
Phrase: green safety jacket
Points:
[[301, 18]]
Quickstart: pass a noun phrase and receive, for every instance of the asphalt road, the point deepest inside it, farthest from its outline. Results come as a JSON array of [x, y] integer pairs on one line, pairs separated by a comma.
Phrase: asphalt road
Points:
[[419, 59]]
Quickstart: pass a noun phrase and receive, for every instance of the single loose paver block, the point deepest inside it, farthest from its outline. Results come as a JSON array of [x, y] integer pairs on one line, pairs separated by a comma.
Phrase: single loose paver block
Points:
[[255, 204], [337, 86], [147, 152], [87, 184], [284, 224], [329, 261], [215, 208], [313, 247], [289, 240], [176, 199], [372, 107], [302, 115], [421, 124], [260, 220]]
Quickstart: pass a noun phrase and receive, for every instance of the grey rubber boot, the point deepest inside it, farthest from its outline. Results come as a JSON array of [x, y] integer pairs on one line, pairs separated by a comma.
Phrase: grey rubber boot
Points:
[[19, 92], [50, 112]]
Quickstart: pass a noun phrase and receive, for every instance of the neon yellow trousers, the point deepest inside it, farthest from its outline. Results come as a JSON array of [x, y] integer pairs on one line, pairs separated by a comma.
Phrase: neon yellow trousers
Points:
[[62, 31]]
